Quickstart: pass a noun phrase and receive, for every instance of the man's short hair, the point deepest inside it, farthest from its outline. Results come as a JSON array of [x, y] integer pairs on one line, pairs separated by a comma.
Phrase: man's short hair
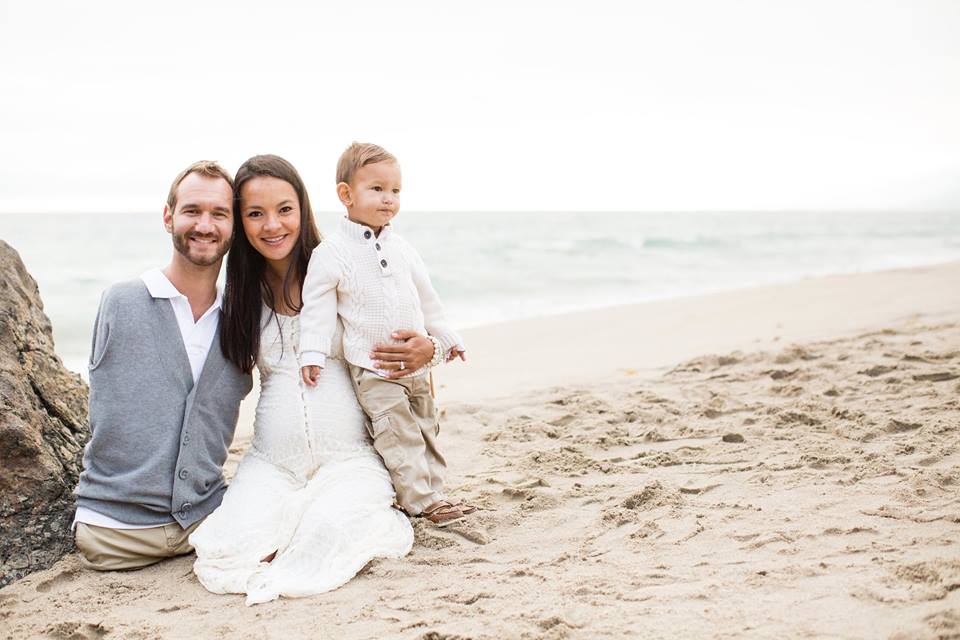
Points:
[[358, 155], [206, 168]]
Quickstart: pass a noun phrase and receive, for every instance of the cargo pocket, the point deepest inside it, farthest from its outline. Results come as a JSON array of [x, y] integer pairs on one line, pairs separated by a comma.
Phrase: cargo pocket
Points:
[[387, 444]]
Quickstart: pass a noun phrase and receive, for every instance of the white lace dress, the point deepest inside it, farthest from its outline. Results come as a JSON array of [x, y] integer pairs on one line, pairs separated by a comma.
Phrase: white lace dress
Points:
[[311, 487]]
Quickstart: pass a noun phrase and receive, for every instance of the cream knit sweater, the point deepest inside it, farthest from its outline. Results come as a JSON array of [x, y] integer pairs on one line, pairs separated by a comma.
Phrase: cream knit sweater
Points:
[[377, 285]]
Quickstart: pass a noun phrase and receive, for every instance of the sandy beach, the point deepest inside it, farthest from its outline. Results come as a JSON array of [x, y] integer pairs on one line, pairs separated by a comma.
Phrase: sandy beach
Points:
[[776, 462]]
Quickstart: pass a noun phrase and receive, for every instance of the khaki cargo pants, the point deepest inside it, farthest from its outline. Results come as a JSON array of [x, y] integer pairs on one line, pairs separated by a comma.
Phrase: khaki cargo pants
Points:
[[404, 427], [106, 549]]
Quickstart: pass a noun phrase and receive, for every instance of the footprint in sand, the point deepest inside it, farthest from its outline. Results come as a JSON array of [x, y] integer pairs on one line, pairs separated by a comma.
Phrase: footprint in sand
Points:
[[927, 581], [781, 374], [901, 426], [563, 421], [427, 536], [790, 417], [176, 607], [795, 353], [532, 498], [648, 530], [76, 631], [946, 623], [788, 390], [877, 370], [436, 635], [466, 598], [471, 531], [61, 578], [940, 376], [699, 490], [653, 495]]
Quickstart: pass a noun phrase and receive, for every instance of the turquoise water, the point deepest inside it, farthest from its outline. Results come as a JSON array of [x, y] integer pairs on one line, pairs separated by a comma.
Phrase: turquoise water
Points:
[[490, 267]]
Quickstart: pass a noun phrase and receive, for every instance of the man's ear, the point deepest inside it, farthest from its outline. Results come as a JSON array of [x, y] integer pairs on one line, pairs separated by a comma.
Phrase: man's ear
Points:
[[343, 192], [167, 218]]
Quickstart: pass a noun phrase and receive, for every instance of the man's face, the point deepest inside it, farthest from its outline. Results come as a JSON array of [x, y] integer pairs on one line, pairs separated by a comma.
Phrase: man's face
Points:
[[202, 222]]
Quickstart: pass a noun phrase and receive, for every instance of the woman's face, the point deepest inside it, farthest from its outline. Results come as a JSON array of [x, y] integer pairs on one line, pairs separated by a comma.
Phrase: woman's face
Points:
[[270, 212]]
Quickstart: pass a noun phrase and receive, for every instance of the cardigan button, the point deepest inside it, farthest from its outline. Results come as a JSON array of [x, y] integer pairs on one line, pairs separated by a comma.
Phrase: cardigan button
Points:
[[383, 263], [367, 234]]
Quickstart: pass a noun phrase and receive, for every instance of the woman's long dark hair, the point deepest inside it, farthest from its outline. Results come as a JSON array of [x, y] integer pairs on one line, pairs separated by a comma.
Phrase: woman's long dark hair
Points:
[[247, 285]]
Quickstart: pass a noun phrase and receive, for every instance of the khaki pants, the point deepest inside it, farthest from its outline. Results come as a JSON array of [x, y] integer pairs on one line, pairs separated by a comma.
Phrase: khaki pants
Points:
[[106, 549], [404, 427]]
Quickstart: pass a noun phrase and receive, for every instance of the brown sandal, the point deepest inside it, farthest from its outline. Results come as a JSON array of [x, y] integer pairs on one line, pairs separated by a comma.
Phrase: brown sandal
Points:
[[442, 513], [465, 509]]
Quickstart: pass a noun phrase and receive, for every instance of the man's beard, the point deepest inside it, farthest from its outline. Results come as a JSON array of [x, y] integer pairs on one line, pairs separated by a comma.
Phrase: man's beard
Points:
[[181, 242]]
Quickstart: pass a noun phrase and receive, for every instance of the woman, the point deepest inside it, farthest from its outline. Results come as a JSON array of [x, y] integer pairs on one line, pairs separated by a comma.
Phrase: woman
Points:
[[311, 502]]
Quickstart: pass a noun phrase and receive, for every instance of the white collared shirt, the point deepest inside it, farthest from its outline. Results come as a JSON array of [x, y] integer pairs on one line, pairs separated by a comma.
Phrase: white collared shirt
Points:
[[197, 336], [197, 340]]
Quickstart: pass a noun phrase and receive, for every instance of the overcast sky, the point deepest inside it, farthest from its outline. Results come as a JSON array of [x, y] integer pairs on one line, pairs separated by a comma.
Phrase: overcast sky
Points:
[[592, 105]]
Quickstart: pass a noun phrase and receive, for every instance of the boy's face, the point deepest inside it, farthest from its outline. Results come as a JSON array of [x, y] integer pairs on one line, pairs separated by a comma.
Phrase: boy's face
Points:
[[373, 196]]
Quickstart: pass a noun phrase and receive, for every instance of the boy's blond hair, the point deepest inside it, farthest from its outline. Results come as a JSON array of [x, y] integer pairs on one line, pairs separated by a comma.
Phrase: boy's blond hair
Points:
[[357, 155]]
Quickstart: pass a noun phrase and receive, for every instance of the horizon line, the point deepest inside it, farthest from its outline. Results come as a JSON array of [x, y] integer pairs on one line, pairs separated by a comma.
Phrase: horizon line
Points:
[[784, 210]]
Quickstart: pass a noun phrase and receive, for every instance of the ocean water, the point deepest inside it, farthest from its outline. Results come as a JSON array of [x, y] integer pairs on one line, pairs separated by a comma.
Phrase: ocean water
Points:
[[491, 267]]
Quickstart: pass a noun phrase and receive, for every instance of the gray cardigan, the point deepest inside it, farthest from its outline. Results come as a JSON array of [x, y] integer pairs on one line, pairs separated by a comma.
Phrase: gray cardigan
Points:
[[158, 440]]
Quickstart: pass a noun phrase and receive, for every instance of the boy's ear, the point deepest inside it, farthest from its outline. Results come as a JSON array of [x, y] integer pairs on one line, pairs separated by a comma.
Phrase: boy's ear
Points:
[[343, 192]]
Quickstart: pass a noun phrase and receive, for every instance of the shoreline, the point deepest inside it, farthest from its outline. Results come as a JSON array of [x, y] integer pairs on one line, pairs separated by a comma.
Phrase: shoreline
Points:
[[708, 292], [589, 345]]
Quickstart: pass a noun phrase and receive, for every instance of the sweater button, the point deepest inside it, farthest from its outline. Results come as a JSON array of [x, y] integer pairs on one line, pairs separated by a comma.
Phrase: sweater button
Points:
[[383, 263], [183, 474], [367, 234]]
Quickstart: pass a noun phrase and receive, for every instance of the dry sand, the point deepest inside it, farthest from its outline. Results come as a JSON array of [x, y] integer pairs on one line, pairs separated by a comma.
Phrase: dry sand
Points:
[[803, 481]]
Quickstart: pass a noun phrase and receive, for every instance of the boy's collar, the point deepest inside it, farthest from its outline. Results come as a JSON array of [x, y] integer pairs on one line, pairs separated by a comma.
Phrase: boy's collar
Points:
[[357, 231]]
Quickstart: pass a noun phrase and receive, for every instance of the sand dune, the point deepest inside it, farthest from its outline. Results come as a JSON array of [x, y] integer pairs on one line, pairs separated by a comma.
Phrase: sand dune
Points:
[[804, 490]]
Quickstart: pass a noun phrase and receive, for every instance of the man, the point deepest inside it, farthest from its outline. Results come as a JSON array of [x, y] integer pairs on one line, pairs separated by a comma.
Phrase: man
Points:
[[163, 399]]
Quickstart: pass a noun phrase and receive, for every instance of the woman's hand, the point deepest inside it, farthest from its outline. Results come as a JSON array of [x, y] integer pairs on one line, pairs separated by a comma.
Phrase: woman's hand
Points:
[[310, 374], [402, 359]]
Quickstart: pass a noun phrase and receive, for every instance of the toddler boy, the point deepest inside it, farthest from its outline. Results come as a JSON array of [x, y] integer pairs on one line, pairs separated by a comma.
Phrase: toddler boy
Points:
[[376, 282]]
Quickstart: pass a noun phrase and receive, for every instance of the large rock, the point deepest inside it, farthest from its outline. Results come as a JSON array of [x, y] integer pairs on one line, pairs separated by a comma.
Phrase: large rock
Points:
[[43, 427]]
